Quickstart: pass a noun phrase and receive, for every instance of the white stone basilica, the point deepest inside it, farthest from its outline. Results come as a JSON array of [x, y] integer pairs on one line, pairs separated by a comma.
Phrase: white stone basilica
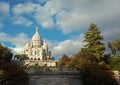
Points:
[[37, 51]]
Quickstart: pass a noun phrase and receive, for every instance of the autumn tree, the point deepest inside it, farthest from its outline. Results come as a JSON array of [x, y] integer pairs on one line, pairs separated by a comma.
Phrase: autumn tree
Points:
[[64, 60], [94, 45]]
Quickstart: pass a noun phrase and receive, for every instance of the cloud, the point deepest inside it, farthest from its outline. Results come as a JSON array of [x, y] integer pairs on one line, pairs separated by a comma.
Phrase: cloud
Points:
[[70, 15], [4, 9], [70, 21], [22, 21], [111, 35], [34, 11], [68, 47], [4, 36], [43, 18], [54, 6], [21, 8], [78, 14], [4, 12], [42, 2], [18, 41]]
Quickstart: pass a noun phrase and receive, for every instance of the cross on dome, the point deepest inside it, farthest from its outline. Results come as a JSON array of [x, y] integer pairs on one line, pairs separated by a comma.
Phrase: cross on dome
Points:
[[36, 28]]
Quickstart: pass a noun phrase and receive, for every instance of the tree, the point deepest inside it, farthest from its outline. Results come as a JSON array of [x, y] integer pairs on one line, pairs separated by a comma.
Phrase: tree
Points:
[[12, 72], [115, 46], [95, 74], [63, 62], [115, 62], [51, 58], [73, 62], [22, 57], [94, 45], [5, 53]]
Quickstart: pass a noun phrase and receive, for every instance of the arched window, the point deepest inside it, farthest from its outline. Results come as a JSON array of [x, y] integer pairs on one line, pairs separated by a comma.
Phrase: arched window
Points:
[[35, 53], [31, 58], [34, 58], [38, 58]]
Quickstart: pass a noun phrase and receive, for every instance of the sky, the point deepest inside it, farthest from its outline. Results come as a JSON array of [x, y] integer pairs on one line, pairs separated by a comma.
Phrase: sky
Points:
[[62, 23]]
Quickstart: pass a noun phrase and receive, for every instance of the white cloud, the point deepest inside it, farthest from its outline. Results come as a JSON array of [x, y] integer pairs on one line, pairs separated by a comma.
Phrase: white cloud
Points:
[[70, 15], [22, 21], [43, 18], [21, 8], [54, 6], [78, 14], [34, 11], [68, 47], [4, 8], [42, 2], [18, 41], [111, 34], [70, 21], [4, 36], [4, 12]]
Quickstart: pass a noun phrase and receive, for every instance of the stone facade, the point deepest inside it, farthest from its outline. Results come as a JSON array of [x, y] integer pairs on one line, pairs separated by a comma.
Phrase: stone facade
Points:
[[37, 51]]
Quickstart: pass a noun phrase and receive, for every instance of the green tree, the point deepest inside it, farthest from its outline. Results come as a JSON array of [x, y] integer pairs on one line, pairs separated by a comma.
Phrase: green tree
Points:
[[48, 58], [22, 57], [94, 45], [115, 46], [51, 58], [5, 53], [115, 62]]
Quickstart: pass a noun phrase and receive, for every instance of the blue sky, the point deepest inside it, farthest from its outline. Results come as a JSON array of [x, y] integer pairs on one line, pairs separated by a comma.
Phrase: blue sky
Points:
[[61, 23]]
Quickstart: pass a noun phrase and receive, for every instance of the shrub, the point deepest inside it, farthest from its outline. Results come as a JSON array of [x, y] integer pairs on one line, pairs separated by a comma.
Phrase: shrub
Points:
[[94, 74]]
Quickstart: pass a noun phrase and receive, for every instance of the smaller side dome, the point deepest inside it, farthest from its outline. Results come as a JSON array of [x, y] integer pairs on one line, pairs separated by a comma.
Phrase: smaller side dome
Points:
[[45, 46], [27, 46]]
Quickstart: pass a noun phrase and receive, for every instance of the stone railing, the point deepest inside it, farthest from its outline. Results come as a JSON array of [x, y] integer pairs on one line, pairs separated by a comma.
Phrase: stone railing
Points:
[[53, 70]]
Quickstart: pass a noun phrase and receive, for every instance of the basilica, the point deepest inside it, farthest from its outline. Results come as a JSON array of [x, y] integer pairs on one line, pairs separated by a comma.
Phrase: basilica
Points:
[[37, 51]]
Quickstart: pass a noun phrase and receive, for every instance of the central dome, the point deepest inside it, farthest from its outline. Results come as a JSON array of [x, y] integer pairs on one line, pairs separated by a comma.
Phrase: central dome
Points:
[[36, 36]]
